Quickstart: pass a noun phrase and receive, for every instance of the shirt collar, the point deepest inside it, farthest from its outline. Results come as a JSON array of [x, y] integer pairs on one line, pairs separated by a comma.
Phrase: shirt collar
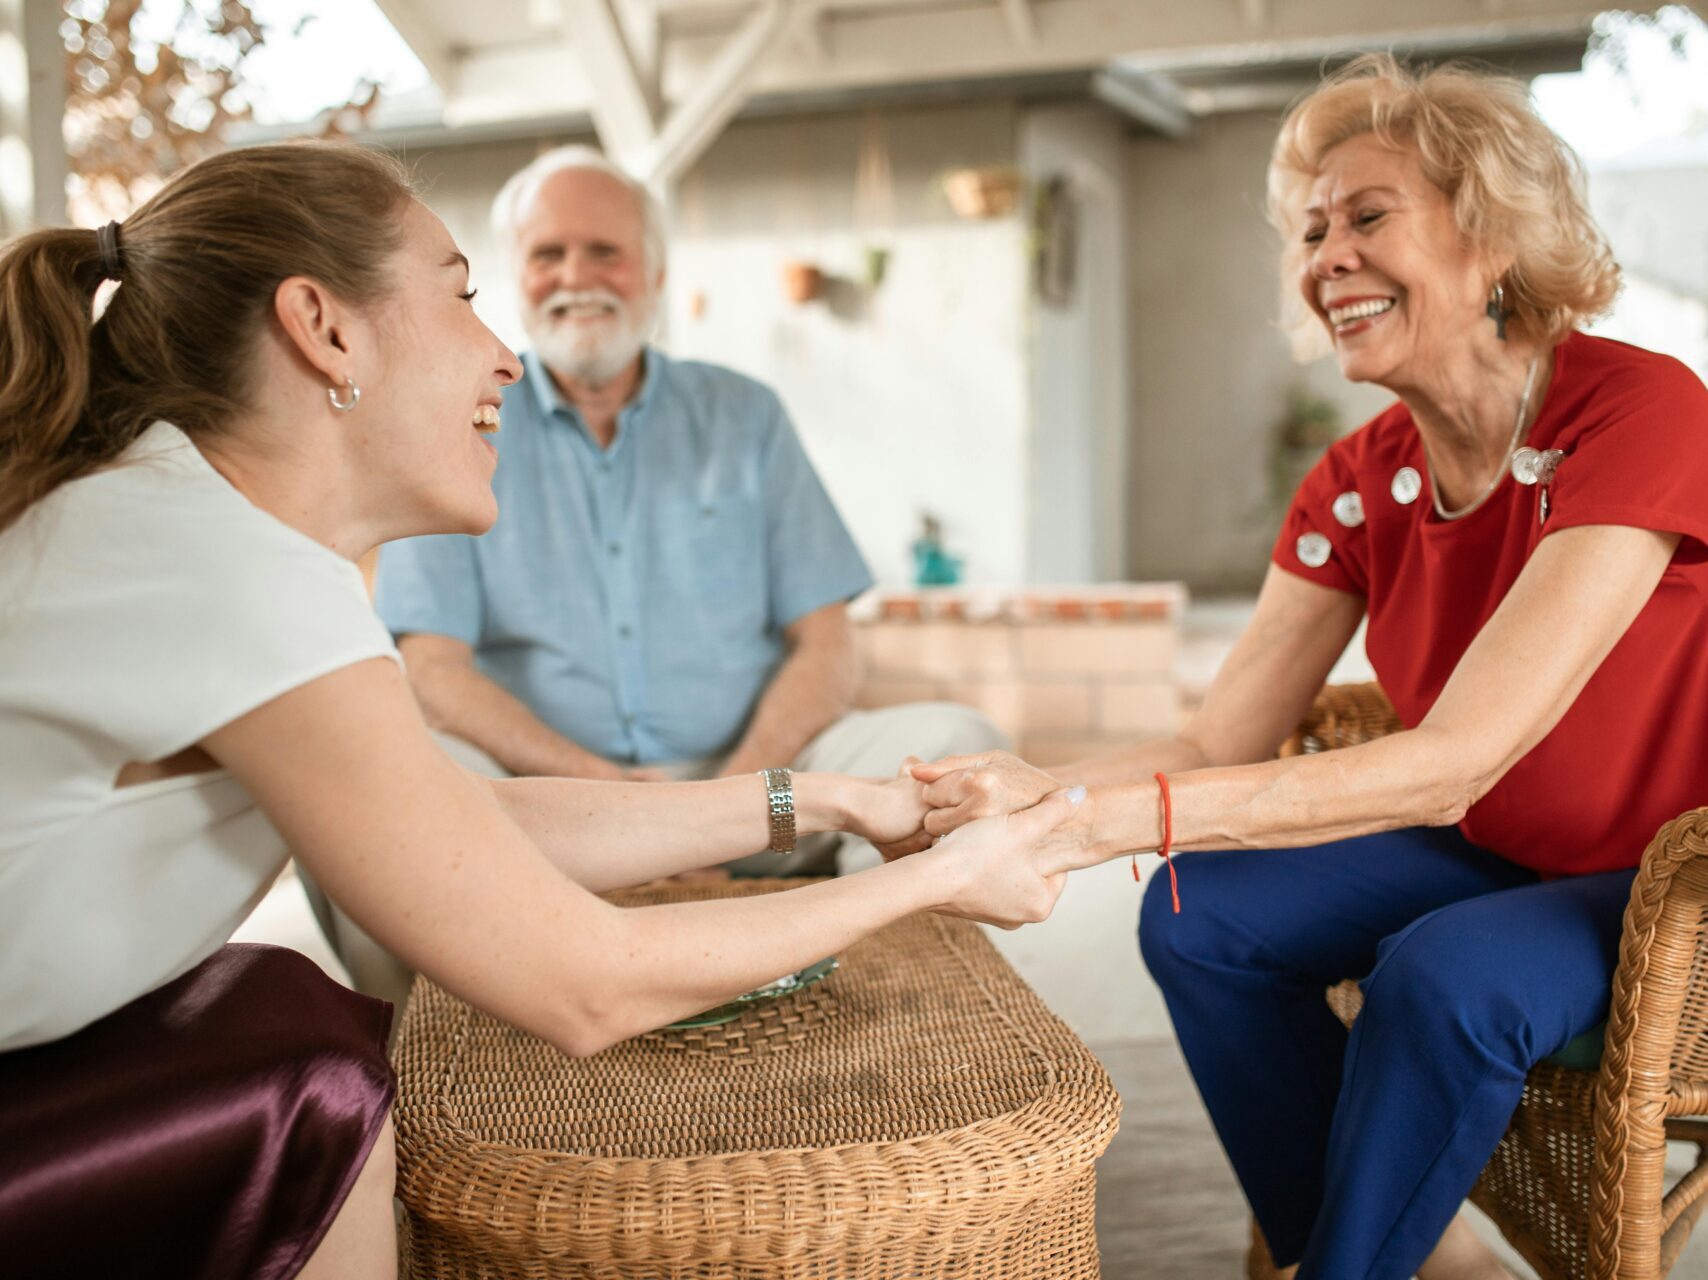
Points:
[[655, 367]]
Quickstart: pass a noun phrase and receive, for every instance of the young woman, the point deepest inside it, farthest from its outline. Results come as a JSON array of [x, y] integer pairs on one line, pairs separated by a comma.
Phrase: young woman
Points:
[[289, 373]]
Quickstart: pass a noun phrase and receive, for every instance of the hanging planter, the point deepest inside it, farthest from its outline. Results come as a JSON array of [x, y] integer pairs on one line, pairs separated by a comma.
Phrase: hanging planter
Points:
[[802, 282], [989, 192]]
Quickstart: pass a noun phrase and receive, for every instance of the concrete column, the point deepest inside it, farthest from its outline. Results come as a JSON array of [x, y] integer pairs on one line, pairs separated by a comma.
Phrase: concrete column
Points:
[[32, 111], [1078, 355]]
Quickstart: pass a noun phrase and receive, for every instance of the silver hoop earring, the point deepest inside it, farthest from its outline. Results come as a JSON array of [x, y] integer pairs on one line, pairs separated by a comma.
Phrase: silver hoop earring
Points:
[[344, 406]]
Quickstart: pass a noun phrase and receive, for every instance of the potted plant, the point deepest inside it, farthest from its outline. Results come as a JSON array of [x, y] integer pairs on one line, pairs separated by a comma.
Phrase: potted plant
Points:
[[1308, 426], [802, 282]]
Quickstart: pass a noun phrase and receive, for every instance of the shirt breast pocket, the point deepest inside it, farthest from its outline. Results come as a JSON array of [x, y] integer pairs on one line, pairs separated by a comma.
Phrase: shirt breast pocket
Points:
[[718, 546]]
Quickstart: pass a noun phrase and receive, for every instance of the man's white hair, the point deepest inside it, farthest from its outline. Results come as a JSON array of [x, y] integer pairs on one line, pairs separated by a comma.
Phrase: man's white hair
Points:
[[516, 197]]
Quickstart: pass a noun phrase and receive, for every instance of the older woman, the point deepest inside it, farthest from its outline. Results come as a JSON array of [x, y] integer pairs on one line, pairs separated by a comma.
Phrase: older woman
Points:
[[1527, 532], [192, 680]]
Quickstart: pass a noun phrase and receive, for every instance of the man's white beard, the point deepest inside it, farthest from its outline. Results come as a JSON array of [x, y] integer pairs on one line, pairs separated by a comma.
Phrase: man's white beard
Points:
[[590, 353]]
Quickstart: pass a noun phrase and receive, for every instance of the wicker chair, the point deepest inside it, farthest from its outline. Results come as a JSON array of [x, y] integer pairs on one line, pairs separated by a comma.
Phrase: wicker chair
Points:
[[1577, 1184]]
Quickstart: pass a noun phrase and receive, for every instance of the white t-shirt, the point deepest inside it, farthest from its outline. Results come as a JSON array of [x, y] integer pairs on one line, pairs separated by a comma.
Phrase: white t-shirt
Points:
[[141, 608]]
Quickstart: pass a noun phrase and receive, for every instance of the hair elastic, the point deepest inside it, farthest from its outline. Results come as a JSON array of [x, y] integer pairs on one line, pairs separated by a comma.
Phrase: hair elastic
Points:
[[107, 242]]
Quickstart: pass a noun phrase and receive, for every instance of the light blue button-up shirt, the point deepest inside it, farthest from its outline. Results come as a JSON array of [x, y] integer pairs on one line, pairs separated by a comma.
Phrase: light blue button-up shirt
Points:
[[635, 597]]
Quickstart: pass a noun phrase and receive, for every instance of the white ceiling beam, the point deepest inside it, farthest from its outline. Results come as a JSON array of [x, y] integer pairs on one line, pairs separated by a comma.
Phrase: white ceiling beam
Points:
[[901, 44], [702, 114], [812, 31], [643, 29], [1021, 21], [894, 44], [425, 40], [621, 109], [1151, 100]]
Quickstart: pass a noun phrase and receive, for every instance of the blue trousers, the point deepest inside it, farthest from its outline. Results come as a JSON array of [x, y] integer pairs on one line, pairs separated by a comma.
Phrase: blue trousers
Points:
[[1355, 1151]]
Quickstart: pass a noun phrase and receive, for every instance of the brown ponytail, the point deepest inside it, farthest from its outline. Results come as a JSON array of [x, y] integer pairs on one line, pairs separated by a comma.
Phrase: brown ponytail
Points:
[[201, 260]]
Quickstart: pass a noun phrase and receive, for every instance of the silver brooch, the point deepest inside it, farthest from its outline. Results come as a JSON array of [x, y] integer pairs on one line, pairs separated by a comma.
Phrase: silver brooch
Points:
[[1536, 466], [1313, 550], [1407, 485], [1349, 509]]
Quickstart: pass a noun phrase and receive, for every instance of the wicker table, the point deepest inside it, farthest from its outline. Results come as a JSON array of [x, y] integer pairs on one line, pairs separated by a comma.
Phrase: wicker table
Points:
[[918, 1114]]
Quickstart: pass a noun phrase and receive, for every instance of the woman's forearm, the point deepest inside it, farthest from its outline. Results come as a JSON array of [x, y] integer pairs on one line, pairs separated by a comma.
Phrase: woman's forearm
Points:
[[1403, 780], [608, 835], [1130, 764], [637, 969]]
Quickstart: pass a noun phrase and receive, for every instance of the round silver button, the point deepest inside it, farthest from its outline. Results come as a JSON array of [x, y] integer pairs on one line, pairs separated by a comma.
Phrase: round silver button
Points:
[[1349, 509], [1313, 550], [1407, 485]]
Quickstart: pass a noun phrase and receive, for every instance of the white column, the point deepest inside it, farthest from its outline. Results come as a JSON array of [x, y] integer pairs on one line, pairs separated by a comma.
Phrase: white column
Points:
[[32, 109], [1080, 398]]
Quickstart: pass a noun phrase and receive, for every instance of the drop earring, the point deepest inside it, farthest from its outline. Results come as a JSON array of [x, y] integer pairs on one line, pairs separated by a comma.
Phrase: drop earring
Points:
[[1496, 310]]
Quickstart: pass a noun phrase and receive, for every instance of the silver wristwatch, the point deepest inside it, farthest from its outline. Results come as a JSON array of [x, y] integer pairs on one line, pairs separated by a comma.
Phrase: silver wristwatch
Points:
[[780, 795]]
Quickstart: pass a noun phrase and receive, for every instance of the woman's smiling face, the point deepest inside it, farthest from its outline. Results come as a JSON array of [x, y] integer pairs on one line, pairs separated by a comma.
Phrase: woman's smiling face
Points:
[[431, 405], [1386, 268]]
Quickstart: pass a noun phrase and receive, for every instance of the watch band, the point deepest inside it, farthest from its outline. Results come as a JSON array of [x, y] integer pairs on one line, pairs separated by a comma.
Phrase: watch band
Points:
[[780, 796]]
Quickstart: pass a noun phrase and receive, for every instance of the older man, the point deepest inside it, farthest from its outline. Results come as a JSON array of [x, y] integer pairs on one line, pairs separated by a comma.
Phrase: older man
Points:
[[665, 592]]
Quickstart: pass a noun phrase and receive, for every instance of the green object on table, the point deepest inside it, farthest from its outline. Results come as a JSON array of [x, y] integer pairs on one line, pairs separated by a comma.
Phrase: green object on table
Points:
[[784, 986]]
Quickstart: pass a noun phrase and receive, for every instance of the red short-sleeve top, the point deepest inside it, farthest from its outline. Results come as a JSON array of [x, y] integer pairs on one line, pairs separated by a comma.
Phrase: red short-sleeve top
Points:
[[1631, 428]]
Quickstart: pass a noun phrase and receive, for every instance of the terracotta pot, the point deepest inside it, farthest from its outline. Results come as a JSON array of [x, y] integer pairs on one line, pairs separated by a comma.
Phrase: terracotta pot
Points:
[[802, 282]]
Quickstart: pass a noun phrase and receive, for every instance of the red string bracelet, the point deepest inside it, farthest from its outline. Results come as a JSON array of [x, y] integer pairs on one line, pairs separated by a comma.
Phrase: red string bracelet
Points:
[[1166, 849]]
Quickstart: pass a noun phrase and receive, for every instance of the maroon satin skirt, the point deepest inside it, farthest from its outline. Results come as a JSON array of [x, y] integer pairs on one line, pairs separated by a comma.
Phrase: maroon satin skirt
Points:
[[210, 1129]]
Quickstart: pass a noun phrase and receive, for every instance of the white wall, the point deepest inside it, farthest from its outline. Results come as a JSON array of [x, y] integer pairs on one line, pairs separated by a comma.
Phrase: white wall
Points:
[[1211, 367], [910, 395], [1650, 206]]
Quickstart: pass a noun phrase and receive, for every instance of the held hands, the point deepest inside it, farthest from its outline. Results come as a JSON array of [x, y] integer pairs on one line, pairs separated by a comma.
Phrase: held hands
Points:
[[891, 814], [1010, 868], [963, 789]]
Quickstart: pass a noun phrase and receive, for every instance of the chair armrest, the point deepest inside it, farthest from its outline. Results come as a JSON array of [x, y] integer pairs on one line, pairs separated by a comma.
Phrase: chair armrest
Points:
[[1343, 715], [1656, 1061]]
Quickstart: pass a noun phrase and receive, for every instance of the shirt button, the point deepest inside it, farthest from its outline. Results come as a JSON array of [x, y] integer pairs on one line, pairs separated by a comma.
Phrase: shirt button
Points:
[[616, 548], [1406, 486], [1349, 509], [628, 722], [1313, 550], [625, 631]]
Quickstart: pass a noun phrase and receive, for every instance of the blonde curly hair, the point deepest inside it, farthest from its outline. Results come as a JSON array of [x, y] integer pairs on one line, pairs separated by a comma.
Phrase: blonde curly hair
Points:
[[1515, 186]]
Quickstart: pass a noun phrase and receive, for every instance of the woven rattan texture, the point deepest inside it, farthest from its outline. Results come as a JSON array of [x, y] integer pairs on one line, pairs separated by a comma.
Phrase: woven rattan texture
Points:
[[1576, 1184], [761, 1029], [920, 1113]]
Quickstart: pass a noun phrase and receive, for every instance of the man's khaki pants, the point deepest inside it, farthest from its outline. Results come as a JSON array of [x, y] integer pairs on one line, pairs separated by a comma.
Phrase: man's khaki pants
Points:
[[869, 744]]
